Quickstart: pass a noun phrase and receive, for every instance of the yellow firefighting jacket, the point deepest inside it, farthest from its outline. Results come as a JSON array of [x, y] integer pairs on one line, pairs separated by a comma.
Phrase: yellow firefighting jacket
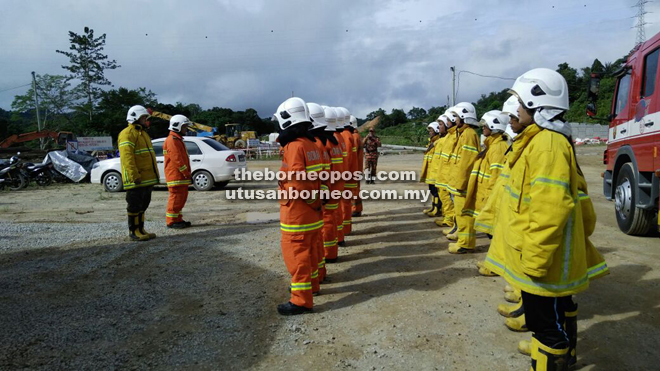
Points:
[[467, 149], [446, 154], [428, 157], [544, 218], [138, 159], [484, 174], [436, 164]]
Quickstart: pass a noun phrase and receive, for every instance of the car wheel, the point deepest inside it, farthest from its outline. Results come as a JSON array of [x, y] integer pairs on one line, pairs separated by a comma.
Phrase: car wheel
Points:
[[221, 185], [203, 181], [112, 182], [631, 219]]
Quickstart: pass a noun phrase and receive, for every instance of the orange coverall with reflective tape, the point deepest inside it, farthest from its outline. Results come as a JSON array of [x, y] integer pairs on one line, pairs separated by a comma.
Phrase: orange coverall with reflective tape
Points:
[[177, 176], [325, 185], [339, 213], [301, 219], [351, 165], [332, 219]]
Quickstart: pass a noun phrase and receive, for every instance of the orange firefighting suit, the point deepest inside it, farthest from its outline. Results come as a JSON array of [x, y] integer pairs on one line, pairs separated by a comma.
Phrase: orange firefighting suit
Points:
[[351, 165], [301, 219], [177, 176], [357, 139], [332, 219], [325, 185], [339, 213]]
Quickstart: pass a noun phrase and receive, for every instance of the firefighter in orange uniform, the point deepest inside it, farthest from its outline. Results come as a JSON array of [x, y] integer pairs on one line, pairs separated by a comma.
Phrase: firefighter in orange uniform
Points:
[[344, 147], [357, 139], [351, 155], [329, 231], [331, 218], [301, 218], [177, 171]]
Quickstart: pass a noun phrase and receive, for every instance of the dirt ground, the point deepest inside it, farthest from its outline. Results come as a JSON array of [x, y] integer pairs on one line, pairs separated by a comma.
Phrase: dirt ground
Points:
[[75, 294]]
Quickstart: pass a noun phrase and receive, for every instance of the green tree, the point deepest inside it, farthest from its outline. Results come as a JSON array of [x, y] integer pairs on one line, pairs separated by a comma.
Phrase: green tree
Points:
[[376, 113], [88, 64], [417, 113], [55, 101], [114, 105]]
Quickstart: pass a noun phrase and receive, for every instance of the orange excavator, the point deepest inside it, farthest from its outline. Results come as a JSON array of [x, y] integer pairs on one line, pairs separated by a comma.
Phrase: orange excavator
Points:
[[61, 137]]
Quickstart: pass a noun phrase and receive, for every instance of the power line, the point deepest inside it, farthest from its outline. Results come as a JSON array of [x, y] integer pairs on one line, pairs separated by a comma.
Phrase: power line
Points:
[[16, 87], [458, 82]]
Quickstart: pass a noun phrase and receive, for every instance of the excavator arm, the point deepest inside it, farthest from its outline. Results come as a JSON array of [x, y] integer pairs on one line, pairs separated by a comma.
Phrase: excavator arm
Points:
[[26, 137], [194, 127]]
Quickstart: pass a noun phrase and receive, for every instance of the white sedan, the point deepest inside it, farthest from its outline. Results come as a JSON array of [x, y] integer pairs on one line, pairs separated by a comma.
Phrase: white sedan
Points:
[[212, 164]]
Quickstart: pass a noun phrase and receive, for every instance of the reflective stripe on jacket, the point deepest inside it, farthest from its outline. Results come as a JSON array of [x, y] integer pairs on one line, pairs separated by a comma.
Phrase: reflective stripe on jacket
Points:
[[177, 161], [137, 157]]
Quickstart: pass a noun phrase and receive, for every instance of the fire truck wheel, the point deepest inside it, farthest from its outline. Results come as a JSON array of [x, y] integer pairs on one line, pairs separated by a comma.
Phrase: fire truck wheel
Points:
[[631, 219]]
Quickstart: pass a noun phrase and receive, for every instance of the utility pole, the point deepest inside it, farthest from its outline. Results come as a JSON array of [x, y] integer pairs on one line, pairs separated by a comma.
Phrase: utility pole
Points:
[[453, 85], [641, 24], [36, 103]]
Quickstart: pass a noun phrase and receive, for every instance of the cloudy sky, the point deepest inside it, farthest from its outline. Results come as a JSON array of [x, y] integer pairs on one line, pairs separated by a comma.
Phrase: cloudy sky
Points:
[[361, 54]]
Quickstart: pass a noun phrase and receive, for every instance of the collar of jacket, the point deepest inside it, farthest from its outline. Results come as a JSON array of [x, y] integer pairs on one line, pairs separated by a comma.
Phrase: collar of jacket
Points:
[[521, 142], [176, 135], [432, 141], [451, 130], [137, 126], [492, 139]]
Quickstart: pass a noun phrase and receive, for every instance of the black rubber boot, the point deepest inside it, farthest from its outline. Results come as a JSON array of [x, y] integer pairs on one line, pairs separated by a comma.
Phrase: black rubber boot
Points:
[[571, 330], [133, 229], [290, 309], [178, 225]]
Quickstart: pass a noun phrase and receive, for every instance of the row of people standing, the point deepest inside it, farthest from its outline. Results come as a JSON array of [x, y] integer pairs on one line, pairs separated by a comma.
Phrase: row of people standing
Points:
[[527, 192], [315, 139]]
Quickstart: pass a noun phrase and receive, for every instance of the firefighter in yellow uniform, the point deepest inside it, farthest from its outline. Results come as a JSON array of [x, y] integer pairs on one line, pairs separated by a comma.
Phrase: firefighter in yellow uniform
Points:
[[486, 169], [467, 149], [542, 221], [138, 169], [426, 176], [445, 166]]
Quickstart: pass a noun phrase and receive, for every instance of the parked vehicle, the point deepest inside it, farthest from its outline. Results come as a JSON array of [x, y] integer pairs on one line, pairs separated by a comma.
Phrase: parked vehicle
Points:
[[40, 173], [213, 165], [10, 174], [632, 177]]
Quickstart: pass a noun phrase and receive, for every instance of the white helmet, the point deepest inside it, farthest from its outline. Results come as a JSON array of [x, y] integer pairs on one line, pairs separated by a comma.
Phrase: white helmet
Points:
[[449, 113], [445, 120], [495, 120], [435, 126], [293, 111], [347, 116], [135, 112], [467, 113], [541, 87], [317, 115], [354, 122], [341, 118], [510, 107], [330, 118], [177, 122]]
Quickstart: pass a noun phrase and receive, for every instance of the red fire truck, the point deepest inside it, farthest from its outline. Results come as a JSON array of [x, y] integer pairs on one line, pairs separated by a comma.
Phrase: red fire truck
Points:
[[632, 177]]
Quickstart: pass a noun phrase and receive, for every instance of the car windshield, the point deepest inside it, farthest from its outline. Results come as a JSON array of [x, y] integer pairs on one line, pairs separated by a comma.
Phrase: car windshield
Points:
[[215, 145]]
